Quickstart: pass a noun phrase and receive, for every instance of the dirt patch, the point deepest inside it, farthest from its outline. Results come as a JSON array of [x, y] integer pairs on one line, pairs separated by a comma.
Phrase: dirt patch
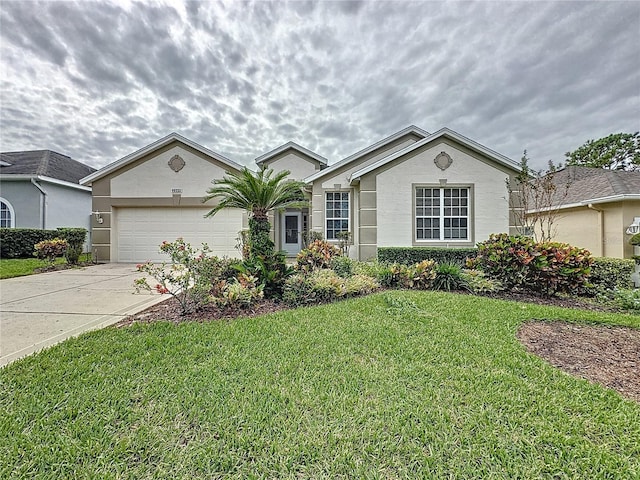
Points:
[[606, 355]]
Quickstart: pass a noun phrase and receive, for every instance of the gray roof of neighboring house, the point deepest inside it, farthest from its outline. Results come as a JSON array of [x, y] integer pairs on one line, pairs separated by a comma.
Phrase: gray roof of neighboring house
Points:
[[44, 163], [587, 184]]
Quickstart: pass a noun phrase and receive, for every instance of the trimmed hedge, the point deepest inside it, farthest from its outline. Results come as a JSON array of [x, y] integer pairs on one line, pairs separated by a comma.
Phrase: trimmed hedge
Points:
[[20, 242], [609, 273], [413, 255]]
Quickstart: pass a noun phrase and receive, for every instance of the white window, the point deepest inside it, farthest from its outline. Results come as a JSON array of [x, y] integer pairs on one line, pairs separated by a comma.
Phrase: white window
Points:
[[442, 214], [7, 217], [336, 214]]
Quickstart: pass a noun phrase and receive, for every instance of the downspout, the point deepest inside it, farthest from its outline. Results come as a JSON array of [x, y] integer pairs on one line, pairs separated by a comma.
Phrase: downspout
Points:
[[601, 227], [43, 200]]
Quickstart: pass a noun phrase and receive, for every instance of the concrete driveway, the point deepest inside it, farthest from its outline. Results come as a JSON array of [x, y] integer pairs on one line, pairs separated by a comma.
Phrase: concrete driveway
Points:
[[41, 310]]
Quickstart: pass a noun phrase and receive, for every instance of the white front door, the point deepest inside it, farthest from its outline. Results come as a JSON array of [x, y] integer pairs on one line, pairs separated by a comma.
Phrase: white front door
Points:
[[291, 232]]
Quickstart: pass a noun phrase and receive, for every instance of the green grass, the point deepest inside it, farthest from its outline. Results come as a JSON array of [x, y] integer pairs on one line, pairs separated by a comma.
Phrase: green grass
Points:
[[19, 267], [394, 385]]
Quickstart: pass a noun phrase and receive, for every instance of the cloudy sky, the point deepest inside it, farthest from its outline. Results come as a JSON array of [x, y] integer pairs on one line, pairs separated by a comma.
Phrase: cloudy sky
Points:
[[99, 80]]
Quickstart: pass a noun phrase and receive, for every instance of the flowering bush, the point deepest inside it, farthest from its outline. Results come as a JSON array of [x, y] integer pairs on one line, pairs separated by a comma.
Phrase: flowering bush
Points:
[[188, 278], [50, 249]]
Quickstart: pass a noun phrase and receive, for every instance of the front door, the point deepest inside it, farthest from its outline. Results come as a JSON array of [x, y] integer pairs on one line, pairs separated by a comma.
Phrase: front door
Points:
[[291, 235]]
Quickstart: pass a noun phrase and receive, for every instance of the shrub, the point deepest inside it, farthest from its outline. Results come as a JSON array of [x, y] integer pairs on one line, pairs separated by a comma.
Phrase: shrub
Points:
[[342, 265], [413, 255], [271, 271], [318, 254], [422, 275], [50, 249], [478, 282], [187, 278], [321, 286], [608, 274], [448, 276], [381, 272], [635, 240], [241, 292], [20, 242], [521, 263], [627, 299], [75, 237]]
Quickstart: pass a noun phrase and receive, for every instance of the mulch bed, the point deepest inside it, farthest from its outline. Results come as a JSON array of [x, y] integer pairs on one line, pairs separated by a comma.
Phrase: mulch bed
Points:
[[62, 266], [606, 355], [609, 356]]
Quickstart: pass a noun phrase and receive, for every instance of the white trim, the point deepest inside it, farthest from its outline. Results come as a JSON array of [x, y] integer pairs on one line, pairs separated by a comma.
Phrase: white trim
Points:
[[263, 158], [326, 218], [443, 132], [410, 129], [441, 215], [40, 178], [152, 147], [585, 203], [11, 212]]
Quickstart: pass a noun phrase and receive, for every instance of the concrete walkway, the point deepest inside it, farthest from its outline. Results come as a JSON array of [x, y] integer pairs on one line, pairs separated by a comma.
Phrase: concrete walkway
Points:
[[37, 311]]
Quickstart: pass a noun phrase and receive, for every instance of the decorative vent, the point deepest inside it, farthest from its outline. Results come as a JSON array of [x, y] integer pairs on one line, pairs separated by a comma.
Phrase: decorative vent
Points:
[[176, 163], [443, 160]]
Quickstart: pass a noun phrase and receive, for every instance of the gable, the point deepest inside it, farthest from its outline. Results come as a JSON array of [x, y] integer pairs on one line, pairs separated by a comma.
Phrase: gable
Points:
[[299, 164], [152, 176]]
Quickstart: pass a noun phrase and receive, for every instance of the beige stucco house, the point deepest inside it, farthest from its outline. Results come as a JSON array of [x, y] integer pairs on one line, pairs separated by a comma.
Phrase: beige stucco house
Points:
[[412, 188], [594, 209]]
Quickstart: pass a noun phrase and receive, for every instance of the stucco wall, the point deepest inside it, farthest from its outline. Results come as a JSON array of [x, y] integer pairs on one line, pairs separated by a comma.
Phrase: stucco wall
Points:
[[154, 178], [26, 203], [394, 191], [298, 164], [601, 231]]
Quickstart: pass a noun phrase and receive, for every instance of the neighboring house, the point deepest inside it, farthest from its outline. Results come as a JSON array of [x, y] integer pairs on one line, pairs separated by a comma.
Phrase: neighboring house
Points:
[[40, 189], [594, 209], [409, 189]]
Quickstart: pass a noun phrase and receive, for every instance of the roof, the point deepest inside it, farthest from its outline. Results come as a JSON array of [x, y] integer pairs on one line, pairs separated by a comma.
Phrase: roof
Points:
[[351, 158], [293, 146], [587, 185], [442, 133], [172, 137], [43, 163]]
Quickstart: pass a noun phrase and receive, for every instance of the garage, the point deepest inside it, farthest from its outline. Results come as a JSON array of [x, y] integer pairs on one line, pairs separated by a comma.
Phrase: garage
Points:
[[140, 231]]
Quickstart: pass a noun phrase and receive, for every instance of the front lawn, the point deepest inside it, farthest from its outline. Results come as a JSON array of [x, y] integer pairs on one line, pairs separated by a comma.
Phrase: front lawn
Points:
[[400, 384], [19, 267]]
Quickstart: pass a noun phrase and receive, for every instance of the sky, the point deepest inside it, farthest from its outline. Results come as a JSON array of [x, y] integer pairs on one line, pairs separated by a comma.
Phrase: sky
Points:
[[100, 80]]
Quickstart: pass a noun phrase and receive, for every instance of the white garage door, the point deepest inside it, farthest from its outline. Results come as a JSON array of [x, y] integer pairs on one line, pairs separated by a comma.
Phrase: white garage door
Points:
[[140, 231]]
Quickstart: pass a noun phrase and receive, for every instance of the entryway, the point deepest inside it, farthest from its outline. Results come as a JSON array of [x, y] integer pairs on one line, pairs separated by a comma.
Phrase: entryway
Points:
[[291, 232]]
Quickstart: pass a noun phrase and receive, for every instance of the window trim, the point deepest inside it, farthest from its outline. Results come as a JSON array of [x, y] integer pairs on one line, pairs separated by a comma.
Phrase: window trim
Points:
[[469, 241], [11, 212], [326, 218]]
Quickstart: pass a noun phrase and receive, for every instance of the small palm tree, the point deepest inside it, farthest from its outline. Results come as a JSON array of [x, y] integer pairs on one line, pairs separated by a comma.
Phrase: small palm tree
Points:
[[257, 193]]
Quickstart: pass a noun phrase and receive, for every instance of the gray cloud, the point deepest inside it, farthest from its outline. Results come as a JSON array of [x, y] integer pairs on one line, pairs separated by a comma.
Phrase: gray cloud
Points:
[[99, 80]]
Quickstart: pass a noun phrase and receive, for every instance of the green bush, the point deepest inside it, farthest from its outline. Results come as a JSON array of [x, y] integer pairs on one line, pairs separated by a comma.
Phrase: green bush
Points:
[[413, 255], [49, 250], [317, 255], [628, 299], [75, 237], [478, 282], [20, 242], [322, 286], [271, 271], [521, 263], [381, 272], [448, 276], [608, 274], [342, 265]]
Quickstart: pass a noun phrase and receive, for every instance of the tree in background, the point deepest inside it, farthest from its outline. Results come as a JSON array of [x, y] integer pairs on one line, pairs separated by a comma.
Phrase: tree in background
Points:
[[618, 151], [535, 197]]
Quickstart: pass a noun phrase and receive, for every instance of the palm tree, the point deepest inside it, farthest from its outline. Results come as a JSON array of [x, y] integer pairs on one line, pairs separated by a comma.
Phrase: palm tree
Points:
[[257, 193]]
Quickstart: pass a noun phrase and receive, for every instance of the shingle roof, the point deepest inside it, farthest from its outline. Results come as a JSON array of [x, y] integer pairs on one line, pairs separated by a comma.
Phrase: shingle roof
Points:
[[44, 163], [586, 184]]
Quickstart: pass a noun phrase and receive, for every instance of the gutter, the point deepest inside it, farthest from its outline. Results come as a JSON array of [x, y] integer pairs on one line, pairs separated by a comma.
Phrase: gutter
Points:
[[43, 202], [600, 227]]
